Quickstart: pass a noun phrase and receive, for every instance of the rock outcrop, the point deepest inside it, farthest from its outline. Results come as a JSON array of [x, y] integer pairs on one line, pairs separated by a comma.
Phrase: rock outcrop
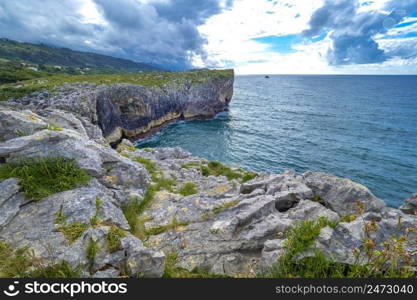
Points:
[[234, 226], [132, 111]]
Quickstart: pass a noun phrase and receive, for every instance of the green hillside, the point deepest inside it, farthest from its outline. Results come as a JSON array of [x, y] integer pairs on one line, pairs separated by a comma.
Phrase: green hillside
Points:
[[23, 61]]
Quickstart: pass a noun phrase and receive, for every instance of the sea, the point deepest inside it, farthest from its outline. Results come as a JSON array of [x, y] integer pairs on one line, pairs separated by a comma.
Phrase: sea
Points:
[[359, 127]]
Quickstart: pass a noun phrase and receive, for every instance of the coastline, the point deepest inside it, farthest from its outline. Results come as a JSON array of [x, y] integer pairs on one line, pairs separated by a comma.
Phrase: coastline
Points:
[[152, 211]]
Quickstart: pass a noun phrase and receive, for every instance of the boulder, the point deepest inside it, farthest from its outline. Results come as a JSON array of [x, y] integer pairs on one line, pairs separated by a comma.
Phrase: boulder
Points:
[[342, 195]]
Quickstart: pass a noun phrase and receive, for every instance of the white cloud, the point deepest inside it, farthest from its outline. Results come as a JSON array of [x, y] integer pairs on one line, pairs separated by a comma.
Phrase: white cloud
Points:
[[230, 43]]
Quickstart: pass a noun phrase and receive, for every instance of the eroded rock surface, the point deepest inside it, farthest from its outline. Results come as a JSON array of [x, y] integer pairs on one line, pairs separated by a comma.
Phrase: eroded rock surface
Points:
[[223, 226]]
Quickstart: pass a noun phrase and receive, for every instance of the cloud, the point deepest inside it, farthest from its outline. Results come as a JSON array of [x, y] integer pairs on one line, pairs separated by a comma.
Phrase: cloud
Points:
[[162, 32], [354, 26]]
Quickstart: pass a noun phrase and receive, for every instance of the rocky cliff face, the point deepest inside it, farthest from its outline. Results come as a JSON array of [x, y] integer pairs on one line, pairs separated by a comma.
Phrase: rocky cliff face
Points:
[[132, 111], [194, 214]]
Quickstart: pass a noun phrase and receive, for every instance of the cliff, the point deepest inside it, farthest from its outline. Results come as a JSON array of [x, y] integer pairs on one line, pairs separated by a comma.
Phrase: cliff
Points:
[[132, 106], [85, 209]]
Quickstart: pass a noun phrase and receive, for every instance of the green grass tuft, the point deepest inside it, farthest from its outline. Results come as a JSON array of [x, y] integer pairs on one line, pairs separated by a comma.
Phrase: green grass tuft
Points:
[[73, 230], [171, 271], [91, 252], [190, 165], [216, 168], [113, 238], [188, 189], [94, 219], [59, 270], [318, 199], [160, 229], [248, 176], [22, 263], [42, 177]]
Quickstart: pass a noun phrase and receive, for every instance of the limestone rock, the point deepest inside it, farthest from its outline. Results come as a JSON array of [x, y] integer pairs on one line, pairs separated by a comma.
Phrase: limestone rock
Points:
[[410, 205], [341, 195]]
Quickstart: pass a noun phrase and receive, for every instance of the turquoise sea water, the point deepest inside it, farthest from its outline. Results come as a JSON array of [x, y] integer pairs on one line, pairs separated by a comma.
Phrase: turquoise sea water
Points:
[[360, 127]]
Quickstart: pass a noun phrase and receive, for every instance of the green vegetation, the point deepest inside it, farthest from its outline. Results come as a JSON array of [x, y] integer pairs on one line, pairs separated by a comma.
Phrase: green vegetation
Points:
[[171, 271], [347, 219], [113, 238], [91, 252], [248, 176], [225, 206], [53, 127], [318, 199], [59, 270], [188, 189], [20, 58], [72, 231], [148, 164], [388, 260], [60, 217], [160, 229], [21, 263], [219, 209], [190, 165], [94, 218], [156, 80], [41, 177], [216, 168]]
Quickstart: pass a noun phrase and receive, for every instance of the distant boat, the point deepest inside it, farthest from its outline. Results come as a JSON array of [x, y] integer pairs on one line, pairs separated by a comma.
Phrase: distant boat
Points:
[[266, 76]]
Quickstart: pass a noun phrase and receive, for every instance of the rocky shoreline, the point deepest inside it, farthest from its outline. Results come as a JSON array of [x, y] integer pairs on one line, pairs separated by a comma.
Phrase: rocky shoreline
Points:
[[165, 208]]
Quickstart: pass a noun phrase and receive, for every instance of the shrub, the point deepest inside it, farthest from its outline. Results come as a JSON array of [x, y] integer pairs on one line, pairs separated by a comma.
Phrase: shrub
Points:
[[41, 177]]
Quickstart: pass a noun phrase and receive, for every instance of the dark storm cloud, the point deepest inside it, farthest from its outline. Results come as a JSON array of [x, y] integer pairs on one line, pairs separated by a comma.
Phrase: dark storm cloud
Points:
[[160, 32], [353, 32]]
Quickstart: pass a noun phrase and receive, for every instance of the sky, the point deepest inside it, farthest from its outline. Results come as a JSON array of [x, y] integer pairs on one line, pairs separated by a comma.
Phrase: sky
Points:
[[251, 36]]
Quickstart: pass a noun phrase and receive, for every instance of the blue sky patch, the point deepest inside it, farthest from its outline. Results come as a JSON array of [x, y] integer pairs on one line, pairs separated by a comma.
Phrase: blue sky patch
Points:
[[281, 44], [405, 24]]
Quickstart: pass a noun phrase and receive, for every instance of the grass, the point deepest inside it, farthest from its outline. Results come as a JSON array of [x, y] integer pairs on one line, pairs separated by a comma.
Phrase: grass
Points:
[[188, 189], [348, 219], [94, 219], [299, 239], [219, 209], [21, 263], [147, 164], [42, 177], [59, 270], [91, 252], [390, 259], [171, 271], [190, 165], [156, 80], [225, 206], [53, 127], [73, 230], [318, 199], [160, 229], [113, 238], [216, 168], [248, 176], [60, 217]]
